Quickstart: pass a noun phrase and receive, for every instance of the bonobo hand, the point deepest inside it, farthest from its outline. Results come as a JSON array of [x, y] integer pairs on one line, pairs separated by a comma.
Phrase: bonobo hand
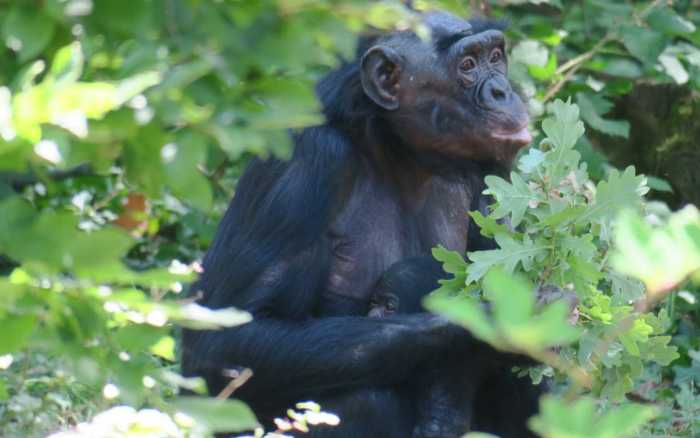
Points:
[[433, 330], [442, 334]]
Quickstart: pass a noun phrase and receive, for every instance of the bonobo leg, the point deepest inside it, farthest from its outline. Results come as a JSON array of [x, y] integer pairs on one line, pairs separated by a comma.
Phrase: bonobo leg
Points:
[[504, 403], [445, 405]]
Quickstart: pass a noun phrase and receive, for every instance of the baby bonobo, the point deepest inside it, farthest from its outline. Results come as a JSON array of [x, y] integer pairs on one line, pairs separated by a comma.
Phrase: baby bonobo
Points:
[[446, 387]]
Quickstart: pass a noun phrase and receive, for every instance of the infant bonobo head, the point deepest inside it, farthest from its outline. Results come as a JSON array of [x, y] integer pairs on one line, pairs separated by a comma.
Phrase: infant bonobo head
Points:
[[402, 287]]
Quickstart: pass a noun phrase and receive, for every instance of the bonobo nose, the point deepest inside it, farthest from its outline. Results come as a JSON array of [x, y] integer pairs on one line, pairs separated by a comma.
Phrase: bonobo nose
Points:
[[495, 92]]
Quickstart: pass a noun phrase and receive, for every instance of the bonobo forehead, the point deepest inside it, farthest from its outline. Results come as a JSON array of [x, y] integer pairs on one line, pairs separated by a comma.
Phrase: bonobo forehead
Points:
[[448, 32], [446, 26]]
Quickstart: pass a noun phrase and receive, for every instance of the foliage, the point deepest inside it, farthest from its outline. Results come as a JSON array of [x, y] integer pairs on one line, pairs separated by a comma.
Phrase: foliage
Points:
[[124, 127], [566, 235], [596, 51]]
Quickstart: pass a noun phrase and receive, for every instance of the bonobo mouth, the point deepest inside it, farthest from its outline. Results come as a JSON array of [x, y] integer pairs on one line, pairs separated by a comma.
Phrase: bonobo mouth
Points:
[[520, 137]]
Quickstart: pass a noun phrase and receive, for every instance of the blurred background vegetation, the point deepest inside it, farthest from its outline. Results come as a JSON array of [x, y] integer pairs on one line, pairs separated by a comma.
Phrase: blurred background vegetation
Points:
[[124, 126]]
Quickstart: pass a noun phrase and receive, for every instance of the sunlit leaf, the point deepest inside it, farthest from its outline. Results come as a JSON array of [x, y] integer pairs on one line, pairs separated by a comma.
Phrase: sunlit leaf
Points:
[[218, 415], [580, 419]]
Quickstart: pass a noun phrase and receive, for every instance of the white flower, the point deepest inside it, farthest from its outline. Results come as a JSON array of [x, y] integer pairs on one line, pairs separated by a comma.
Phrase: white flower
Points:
[[110, 391], [6, 361]]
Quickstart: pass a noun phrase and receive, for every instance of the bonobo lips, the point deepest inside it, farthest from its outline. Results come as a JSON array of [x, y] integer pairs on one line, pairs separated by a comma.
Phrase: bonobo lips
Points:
[[520, 137]]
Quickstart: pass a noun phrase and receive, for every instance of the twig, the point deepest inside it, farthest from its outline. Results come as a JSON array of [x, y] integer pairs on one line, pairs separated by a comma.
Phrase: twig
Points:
[[572, 66], [239, 379]]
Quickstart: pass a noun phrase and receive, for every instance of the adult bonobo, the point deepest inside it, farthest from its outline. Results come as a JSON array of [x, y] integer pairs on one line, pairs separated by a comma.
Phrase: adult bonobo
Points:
[[412, 128]]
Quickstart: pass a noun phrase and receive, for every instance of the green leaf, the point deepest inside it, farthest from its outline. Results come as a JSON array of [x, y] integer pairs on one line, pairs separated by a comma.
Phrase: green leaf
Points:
[[645, 44], [580, 419], [67, 63], [465, 311], [488, 226], [27, 30], [282, 103], [508, 256], [563, 131], [165, 348], [198, 317], [657, 349], [123, 17], [563, 217], [530, 161], [665, 19], [660, 257], [688, 374], [624, 288], [513, 198], [672, 66], [183, 75], [622, 67], [18, 330], [513, 326], [530, 53], [181, 161], [452, 261], [141, 156], [138, 337], [619, 128], [513, 300], [52, 241], [636, 335], [545, 72], [548, 329], [218, 415], [564, 128], [621, 190], [659, 184]]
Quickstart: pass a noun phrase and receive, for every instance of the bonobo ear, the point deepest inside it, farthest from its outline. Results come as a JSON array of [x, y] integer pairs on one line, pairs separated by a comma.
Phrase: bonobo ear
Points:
[[381, 70]]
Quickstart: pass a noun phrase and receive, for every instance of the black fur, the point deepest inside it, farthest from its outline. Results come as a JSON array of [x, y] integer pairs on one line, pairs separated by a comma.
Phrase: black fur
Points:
[[272, 256]]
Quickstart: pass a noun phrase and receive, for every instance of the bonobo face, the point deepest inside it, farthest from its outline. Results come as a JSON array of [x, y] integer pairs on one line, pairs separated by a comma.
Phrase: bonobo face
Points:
[[451, 94], [383, 304]]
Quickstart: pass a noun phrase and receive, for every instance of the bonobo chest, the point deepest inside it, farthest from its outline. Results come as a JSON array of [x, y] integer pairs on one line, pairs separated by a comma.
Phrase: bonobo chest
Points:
[[377, 227]]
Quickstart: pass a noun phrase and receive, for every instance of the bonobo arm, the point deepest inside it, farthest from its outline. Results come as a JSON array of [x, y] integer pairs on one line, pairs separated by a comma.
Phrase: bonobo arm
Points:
[[293, 359]]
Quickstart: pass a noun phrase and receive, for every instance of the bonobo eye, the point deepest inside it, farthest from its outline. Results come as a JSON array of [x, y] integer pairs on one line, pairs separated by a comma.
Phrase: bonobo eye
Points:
[[496, 55], [468, 64]]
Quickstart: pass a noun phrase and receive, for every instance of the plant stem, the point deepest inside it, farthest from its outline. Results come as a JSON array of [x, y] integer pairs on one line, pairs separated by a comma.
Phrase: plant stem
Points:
[[572, 66]]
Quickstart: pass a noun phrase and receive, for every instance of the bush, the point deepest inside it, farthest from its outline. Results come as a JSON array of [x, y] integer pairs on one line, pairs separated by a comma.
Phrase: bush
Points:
[[124, 127]]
